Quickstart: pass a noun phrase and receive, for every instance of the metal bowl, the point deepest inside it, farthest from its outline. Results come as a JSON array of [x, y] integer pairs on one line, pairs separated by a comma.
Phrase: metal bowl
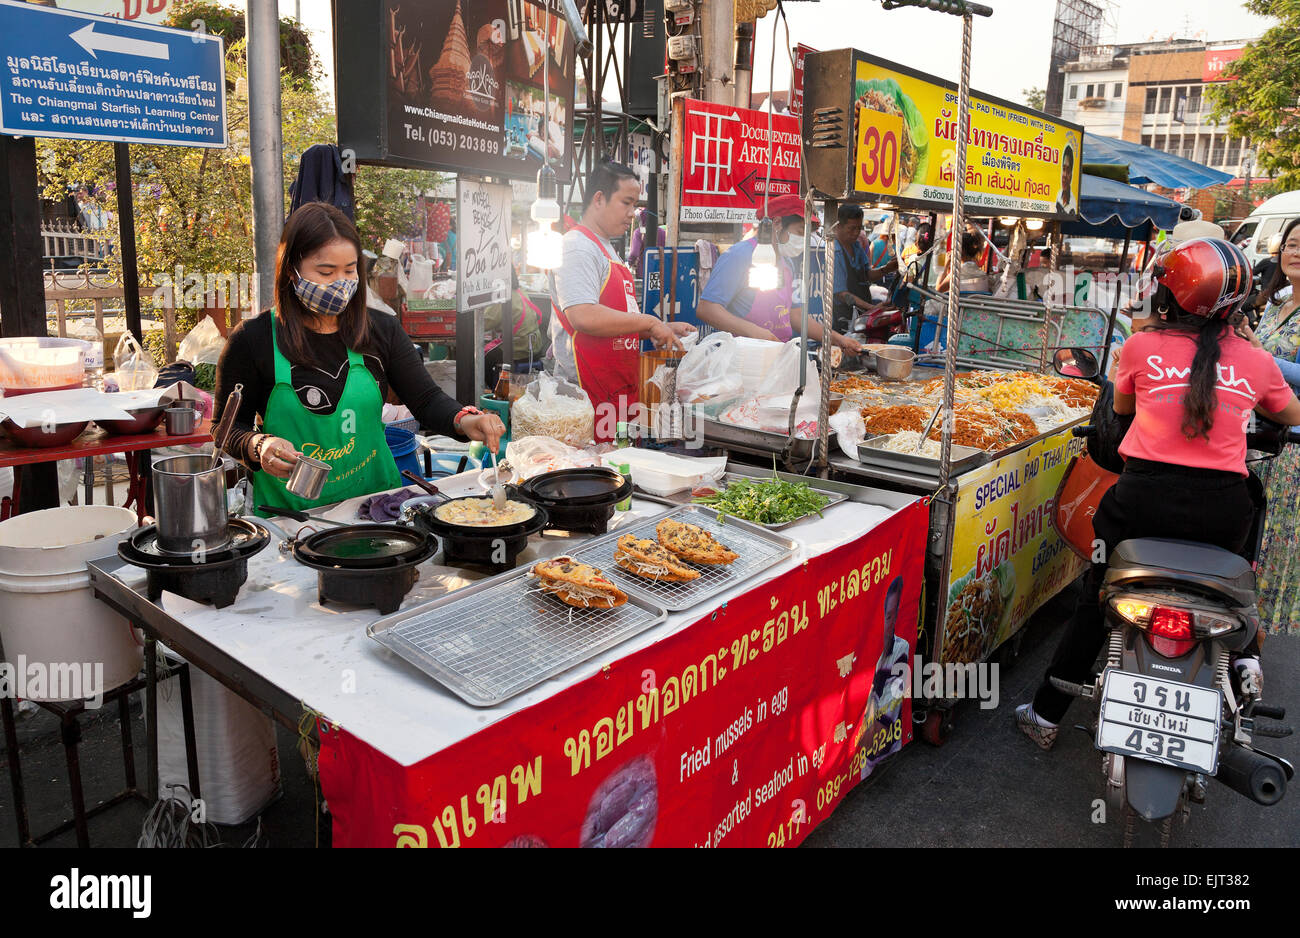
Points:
[[836, 401], [894, 364], [39, 437], [142, 421]]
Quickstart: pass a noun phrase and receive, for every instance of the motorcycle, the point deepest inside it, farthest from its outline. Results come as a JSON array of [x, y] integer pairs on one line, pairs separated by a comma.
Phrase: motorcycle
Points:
[[1169, 711]]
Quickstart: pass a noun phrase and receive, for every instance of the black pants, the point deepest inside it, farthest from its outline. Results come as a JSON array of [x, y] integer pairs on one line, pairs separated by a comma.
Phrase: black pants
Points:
[[1149, 500]]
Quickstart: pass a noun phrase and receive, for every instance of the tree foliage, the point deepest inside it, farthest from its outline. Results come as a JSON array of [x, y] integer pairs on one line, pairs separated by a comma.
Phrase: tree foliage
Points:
[[1036, 98], [193, 206], [297, 60], [1261, 92]]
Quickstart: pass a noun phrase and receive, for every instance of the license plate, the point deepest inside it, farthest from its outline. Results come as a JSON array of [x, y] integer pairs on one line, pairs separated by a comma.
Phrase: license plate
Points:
[[1160, 721]]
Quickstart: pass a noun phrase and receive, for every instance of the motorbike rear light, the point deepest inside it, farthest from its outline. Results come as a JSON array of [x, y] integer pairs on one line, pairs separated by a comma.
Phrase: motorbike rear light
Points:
[[1171, 631], [1135, 611]]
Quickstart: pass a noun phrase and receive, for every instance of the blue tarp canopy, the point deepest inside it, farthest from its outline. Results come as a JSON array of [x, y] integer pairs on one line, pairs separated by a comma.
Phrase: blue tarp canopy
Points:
[[1113, 205], [1148, 165]]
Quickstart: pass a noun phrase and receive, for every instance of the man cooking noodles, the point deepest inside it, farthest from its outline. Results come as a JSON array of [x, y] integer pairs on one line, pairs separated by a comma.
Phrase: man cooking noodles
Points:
[[596, 326], [854, 274]]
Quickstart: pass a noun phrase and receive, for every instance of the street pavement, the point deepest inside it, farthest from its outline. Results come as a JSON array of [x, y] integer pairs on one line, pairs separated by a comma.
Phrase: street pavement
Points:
[[987, 786]]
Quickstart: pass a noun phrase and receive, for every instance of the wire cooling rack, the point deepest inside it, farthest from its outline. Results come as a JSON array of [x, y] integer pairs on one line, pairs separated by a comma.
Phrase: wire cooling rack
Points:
[[491, 641], [758, 549]]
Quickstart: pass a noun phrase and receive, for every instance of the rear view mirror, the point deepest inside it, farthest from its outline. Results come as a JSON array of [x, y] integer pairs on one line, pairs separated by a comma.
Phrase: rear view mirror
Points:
[[1075, 363]]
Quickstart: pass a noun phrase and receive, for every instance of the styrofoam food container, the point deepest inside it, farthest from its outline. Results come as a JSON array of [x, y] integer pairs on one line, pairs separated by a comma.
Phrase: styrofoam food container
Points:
[[664, 474]]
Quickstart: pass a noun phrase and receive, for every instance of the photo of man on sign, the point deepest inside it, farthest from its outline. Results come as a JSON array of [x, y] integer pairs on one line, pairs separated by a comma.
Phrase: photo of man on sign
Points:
[[1065, 204]]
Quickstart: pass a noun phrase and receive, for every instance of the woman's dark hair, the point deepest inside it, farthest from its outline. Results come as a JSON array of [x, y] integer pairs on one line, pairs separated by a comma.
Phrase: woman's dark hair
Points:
[[924, 236], [312, 226], [1278, 280], [1202, 399], [970, 245]]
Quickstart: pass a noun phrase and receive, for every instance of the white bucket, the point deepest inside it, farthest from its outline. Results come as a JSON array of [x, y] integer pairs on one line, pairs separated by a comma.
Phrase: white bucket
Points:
[[49, 618]]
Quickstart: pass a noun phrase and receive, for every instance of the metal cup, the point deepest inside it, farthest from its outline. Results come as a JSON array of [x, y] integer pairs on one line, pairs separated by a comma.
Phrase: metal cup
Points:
[[180, 420], [308, 477], [190, 497]]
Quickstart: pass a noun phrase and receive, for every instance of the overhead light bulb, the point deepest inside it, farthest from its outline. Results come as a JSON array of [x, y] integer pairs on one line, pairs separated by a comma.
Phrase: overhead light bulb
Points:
[[1034, 224], [763, 274], [1008, 221], [545, 245]]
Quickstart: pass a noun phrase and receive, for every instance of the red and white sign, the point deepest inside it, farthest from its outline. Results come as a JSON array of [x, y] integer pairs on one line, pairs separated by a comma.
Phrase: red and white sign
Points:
[[796, 79], [726, 164], [1217, 62]]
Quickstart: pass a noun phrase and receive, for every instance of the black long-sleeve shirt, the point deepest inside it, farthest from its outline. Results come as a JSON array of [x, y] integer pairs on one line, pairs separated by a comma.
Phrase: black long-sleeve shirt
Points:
[[392, 359]]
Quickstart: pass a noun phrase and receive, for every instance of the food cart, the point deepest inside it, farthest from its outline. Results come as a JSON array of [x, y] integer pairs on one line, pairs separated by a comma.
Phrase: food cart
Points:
[[884, 134], [726, 711]]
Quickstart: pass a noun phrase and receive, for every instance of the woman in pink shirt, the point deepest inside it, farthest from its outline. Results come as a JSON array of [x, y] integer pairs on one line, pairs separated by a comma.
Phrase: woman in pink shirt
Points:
[[1191, 384]]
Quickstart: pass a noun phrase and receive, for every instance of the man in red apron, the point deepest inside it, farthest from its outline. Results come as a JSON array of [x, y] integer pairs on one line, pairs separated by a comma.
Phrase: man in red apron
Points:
[[596, 325]]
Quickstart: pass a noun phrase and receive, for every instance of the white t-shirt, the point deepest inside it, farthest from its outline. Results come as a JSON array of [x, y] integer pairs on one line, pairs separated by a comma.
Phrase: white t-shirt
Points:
[[578, 280]]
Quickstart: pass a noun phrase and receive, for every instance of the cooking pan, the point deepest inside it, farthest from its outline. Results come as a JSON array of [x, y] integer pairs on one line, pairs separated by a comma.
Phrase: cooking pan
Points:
[[496, 546], [579, 500]]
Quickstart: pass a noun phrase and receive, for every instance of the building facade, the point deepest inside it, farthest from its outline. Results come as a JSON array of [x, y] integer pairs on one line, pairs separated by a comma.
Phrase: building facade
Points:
[[1154, 94]]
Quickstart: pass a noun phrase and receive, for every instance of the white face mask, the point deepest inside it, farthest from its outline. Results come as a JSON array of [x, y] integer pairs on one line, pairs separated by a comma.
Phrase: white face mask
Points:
[[792, 247]]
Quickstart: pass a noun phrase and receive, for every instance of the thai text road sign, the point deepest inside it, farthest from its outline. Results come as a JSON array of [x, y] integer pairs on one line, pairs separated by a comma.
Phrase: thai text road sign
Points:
[[67, 74]]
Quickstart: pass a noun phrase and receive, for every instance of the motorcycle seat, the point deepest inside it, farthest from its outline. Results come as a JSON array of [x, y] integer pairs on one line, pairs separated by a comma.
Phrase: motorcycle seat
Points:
[[1186, 562]]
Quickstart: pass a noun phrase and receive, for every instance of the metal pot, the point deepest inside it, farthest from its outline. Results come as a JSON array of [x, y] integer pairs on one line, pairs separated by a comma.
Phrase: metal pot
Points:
[[190, 497], [308, 477], [180, 421], [895, 364]]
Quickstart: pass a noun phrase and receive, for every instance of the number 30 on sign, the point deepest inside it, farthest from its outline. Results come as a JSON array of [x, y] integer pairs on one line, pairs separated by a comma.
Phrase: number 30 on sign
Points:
[[879, 146]]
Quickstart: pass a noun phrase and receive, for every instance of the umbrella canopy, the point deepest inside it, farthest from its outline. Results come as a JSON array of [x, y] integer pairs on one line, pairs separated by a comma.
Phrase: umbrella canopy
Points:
[[1148, 165], [1104, 201]]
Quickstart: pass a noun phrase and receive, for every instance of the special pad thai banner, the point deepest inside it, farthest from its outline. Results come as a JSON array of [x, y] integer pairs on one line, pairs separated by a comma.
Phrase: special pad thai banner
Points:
[[1007, 560], [746, 729], [906, 132]]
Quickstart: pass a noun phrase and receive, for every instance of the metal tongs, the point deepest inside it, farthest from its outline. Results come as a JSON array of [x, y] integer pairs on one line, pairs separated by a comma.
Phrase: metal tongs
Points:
[[498, 490], [925, 434]]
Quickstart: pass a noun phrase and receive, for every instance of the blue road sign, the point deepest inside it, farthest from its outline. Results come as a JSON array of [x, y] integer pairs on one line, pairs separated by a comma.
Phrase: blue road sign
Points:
[[66, 74], [688, 284]]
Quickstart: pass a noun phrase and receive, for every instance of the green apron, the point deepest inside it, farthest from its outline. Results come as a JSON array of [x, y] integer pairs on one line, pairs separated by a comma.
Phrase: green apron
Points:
[[351, 439]]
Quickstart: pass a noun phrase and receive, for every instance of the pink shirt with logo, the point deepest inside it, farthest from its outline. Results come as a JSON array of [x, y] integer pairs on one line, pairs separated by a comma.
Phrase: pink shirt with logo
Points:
[[1156, 367]]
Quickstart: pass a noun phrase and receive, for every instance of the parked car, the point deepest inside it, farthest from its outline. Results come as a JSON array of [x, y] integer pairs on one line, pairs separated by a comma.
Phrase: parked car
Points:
[[1258, 229]]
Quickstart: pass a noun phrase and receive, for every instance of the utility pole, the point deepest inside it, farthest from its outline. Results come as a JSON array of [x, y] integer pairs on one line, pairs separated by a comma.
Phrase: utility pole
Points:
[[264, 143], [718, 32]]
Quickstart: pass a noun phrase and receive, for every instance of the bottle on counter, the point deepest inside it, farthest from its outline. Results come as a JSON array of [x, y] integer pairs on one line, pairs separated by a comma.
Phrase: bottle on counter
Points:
[[625, 470], [94, 362], [502, 391], [621, 439]]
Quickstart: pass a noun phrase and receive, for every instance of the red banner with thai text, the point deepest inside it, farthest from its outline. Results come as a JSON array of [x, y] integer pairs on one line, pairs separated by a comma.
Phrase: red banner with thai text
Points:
[[746, 729], [726, 168]]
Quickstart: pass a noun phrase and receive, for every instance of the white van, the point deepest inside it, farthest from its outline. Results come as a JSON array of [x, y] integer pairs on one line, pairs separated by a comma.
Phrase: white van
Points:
[[1255, 232]]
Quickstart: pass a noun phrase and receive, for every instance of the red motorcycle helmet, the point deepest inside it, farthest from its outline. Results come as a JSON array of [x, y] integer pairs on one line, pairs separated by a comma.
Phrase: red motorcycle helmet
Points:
[[1205, 276]]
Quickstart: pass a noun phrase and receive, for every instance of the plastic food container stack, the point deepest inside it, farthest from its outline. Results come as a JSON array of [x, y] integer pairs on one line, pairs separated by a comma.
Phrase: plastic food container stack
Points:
[[754, 357], [41, 363]]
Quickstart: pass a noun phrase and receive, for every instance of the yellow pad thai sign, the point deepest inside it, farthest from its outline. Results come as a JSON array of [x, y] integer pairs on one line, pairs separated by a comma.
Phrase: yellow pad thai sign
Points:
[[1007, 560], [1017, 160]]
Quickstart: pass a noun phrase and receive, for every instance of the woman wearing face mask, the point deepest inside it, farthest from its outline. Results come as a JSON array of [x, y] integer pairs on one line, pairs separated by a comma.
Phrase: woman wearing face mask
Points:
[[730, 304], [317, 368]]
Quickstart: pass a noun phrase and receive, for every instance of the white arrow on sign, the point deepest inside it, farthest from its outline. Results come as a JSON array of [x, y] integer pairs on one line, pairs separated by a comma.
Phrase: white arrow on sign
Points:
[[88, 39]]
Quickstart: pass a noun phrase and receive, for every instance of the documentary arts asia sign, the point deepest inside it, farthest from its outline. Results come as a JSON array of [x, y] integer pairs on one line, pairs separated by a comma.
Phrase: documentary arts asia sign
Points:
[[726, 165]]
